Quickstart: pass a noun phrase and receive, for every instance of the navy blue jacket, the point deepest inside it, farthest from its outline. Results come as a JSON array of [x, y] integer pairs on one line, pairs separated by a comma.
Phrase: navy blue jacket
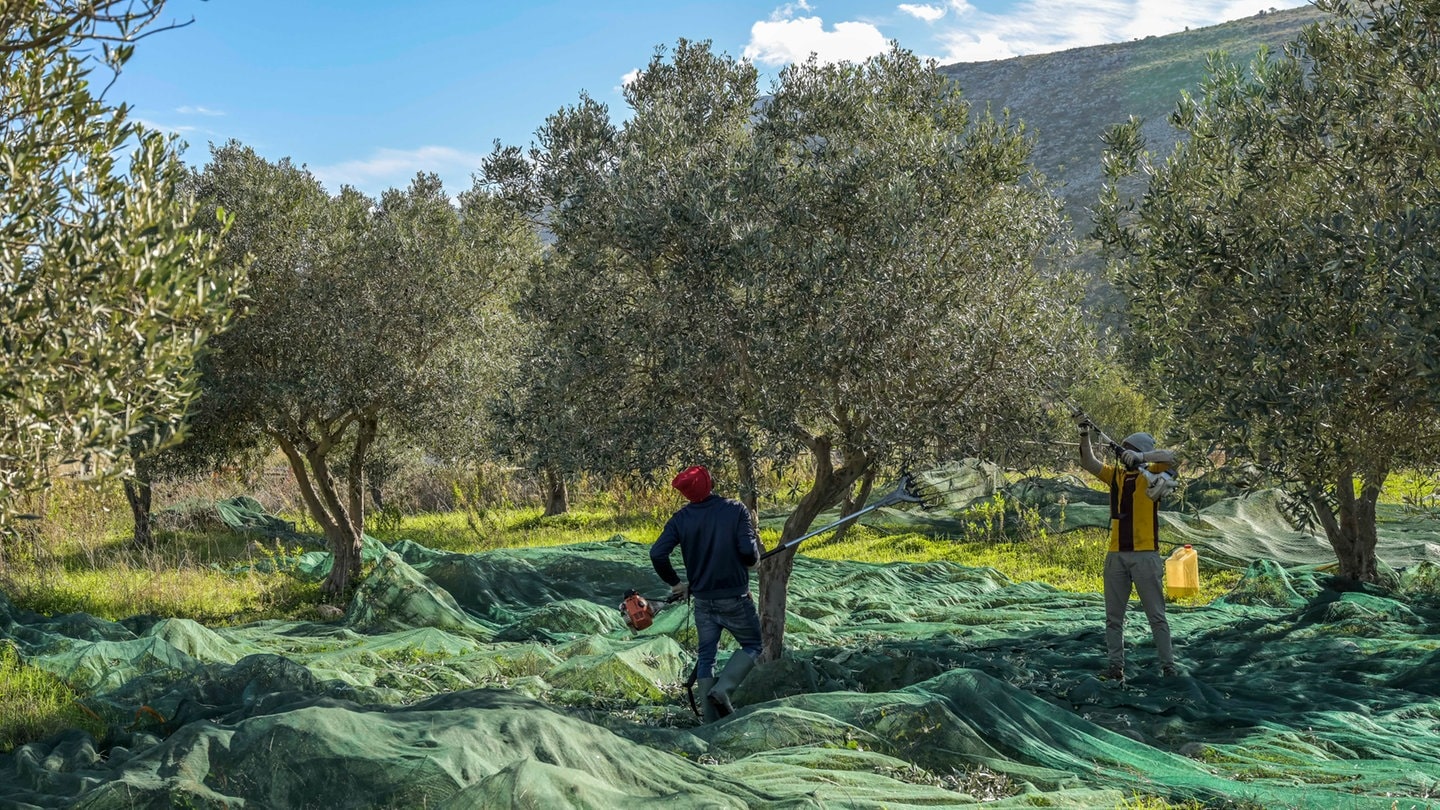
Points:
[[717, 543]]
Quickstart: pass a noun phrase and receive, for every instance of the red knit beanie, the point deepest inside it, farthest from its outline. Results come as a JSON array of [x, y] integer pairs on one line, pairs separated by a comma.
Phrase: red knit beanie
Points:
[[694, 483]]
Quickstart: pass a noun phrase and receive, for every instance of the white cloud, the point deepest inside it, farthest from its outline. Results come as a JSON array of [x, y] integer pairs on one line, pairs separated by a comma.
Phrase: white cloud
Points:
[[789, 10], [178, 129], [629, 77], [779, 42], [189, 110], [922, 12], [394, 168], [1044, 26]]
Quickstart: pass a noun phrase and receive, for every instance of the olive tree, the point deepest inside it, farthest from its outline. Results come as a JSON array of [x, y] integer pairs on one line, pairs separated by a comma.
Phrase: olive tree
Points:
[[848, 271], [362, 315], [107, 290], [578, 399], [1280, 266], [547, 422]]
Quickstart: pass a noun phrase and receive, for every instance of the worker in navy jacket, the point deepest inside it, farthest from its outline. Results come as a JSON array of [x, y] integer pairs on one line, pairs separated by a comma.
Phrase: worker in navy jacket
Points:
[[719, 545]]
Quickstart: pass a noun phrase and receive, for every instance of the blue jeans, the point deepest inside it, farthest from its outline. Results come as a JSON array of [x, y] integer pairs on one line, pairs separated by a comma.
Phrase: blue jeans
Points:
[[734, 613]]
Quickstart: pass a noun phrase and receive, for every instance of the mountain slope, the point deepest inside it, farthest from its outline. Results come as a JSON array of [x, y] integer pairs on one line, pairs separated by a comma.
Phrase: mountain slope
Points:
[[1068, 99]]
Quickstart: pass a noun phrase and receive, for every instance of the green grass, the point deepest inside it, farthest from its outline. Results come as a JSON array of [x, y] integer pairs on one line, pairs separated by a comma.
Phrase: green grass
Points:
[[1419, 491], [83, 561], [1073, 561], [517, 527], [183, 575], [36, 704], [129, 588]]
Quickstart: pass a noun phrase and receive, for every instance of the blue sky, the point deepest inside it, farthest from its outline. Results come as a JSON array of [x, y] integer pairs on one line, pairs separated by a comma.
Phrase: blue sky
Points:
[[368, 92]]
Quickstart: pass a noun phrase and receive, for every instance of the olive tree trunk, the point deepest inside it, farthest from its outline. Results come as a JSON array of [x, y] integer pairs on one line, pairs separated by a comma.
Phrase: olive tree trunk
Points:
[[829, 485], [377, 493], [851, 505], [138, 494], [1350, 524], [744, 457], [341, 519], [557, 494]]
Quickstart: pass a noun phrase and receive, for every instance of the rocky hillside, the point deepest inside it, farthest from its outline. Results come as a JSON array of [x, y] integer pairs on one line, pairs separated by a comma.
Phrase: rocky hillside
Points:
[[1069, 98]]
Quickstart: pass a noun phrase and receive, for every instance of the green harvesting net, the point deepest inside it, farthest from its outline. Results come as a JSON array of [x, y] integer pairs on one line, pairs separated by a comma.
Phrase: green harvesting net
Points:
[[507, 679]]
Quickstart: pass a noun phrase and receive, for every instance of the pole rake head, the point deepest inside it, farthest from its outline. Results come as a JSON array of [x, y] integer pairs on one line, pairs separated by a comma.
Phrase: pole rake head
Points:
[[912, 490], [907, 491]]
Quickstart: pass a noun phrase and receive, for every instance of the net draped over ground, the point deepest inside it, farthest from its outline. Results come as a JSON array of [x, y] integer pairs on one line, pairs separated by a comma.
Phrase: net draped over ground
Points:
[[509, 679]]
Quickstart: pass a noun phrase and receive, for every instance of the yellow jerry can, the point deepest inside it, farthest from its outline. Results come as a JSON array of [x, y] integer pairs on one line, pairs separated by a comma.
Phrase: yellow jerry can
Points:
[[1182, 573]]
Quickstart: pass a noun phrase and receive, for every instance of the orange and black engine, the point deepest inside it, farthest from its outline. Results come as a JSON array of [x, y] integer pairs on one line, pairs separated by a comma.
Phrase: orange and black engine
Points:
[[638, 612]]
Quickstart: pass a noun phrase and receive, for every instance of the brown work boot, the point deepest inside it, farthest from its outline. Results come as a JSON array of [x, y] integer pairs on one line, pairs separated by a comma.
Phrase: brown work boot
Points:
[[1169, 670], [1114, 672]]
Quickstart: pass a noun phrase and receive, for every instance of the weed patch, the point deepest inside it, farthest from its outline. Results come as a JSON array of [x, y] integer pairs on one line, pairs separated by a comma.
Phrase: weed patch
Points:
[[35, 704]]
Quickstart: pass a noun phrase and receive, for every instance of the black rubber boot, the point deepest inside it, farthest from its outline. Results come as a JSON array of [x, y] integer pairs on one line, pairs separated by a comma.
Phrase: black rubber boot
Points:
[[707, 709], [735, 671]]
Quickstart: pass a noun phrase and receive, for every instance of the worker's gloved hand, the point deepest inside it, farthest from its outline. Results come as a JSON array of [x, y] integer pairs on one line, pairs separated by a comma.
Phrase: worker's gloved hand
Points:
[[1082, 421], [680, 591], [1132, 458], [1160, 486]]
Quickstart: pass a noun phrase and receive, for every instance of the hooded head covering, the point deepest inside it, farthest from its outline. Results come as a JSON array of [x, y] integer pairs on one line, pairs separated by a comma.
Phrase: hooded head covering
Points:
[[1141, 442], [694, 483]]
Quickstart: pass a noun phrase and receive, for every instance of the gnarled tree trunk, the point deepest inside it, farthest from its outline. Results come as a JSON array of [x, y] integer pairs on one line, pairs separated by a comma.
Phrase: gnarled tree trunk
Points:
[[341, 520], [829, 485], [1350, 525]]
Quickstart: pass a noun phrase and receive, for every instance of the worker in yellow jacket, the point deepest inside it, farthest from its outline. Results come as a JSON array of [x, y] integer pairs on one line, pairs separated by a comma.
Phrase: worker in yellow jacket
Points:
[[1139, 477]]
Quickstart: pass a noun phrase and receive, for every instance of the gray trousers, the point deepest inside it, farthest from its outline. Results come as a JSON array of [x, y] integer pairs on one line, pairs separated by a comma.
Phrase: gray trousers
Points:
[[1145, 570]]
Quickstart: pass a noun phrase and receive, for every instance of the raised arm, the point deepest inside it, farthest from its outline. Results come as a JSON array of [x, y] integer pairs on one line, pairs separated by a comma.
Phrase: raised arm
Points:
[[1087, 459]]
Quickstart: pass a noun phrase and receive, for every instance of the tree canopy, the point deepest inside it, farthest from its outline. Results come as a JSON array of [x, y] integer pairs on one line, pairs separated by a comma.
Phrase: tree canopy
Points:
[[1281, 267], [108, 290], [850, 271], [362, 314]]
